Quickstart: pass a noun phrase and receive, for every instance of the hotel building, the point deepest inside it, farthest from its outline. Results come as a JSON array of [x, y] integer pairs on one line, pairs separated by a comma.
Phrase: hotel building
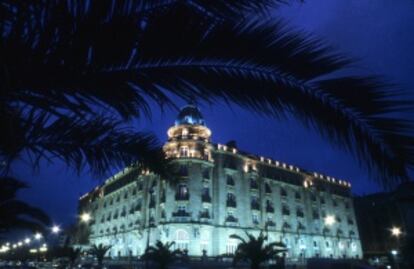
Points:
[[218, 191]]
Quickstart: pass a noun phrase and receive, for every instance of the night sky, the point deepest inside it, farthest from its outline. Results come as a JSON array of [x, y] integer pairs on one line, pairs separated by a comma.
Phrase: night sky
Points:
[[378, 33]]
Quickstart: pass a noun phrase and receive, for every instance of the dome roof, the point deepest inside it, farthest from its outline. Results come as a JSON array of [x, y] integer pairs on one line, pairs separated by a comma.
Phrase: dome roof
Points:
[[190, 115]]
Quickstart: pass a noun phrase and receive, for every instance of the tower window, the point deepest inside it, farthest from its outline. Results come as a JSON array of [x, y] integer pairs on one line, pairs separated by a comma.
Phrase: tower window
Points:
[[184, 152], [182, 192]]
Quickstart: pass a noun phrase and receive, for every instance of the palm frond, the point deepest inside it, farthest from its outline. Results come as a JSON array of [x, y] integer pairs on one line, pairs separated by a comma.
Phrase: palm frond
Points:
[[16, 214], [99, 142], [76, 61]]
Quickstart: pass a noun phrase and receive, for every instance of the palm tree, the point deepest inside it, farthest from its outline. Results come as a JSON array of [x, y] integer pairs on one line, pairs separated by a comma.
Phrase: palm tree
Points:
[[73, 73], [162, 254], [16, 214], [99, 251], [256, 251]]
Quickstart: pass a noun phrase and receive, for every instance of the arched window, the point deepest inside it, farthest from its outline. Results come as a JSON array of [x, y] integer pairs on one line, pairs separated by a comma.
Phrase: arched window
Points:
[[182, 239], [231, 245]]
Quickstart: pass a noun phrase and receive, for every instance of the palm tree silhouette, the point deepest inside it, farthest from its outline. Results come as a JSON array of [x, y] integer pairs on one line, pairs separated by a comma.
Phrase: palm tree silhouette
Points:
[[16, 214], [162, 254], [256, 251], [99, 251], [74, 72]]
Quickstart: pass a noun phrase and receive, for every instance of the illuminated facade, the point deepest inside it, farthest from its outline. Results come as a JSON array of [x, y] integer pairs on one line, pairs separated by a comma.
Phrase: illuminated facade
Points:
[[219, 191]]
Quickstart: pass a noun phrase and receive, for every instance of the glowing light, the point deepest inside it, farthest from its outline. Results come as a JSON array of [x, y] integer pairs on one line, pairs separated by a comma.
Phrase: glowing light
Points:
[[329, 220], [55, 229], [38, 236], [394, 252], [396, 231], [85, 217], [27, 240]]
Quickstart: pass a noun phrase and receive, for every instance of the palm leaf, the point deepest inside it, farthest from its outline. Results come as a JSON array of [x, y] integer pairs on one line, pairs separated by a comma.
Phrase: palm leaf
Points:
[[75, 61]]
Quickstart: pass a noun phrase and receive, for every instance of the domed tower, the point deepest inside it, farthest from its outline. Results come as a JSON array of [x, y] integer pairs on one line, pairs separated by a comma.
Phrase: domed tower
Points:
[[189, 137]]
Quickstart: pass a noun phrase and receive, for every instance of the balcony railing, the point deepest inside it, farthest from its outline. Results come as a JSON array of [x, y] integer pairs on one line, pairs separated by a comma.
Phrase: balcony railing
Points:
[[270, 223], [231, 219], [204, 215], [286, 212], [181, 213], [270, 209]]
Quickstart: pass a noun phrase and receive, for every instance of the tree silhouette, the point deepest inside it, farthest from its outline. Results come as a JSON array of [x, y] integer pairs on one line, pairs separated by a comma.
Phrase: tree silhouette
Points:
[[16, 214], [162, 254], [99, 251], [256, 251], [73, 72]]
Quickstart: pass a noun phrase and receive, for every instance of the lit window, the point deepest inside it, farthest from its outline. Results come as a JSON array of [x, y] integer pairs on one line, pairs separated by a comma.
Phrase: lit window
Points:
[[231, 246], [184, 152], [182, 239]]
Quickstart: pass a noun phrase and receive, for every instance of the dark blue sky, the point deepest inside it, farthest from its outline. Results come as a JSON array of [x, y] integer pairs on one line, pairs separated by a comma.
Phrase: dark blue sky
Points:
[[379, 33]]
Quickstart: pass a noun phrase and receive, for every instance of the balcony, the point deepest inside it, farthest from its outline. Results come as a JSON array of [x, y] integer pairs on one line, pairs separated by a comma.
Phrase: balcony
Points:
[[181, 216], [231, 203], [232, 219], [255, 206], [206, 198], [152, 203], [270, 209], [182, 197], [270, 223], [204, 215]]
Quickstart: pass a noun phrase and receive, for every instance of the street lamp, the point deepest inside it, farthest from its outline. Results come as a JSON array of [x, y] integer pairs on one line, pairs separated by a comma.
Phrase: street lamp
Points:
[[38, 236], [55, 229], [85, 217], [396, 231], [27, 240]]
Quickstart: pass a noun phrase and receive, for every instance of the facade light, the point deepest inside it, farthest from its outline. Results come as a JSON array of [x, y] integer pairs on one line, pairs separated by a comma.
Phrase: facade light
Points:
[[85, 217], [329, 220]]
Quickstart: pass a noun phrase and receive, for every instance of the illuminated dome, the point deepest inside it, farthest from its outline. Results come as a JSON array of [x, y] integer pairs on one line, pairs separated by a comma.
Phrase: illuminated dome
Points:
[[190, 115]]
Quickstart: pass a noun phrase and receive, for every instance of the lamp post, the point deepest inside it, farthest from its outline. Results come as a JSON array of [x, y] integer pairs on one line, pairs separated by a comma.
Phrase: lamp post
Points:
[[396, 232]]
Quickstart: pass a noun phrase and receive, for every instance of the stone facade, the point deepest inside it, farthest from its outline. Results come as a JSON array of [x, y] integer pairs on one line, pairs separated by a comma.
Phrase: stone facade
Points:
[[218, 191]]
